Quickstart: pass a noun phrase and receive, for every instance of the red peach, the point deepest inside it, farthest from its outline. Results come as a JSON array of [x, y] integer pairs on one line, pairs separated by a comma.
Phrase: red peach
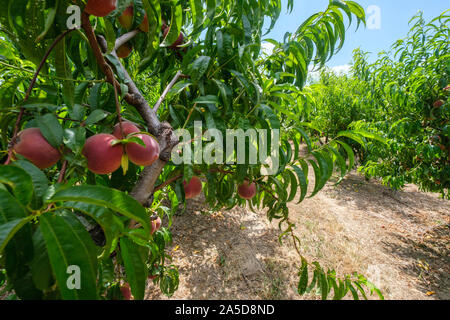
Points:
[[126, 18], [32, 145], [177, 42], [438, 104], [127, 127], [100, 8], [193, 188], [156, 224], [102, 156], [144, 24], [246, 190], [140, 155], [124, 50], [126, 291]]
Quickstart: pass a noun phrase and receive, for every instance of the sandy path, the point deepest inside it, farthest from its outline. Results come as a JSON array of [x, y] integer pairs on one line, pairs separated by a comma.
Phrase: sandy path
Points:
[[399, 240]]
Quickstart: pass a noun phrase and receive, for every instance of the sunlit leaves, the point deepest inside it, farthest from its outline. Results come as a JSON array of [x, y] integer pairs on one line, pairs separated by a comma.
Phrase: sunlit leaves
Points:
[[326, 282]]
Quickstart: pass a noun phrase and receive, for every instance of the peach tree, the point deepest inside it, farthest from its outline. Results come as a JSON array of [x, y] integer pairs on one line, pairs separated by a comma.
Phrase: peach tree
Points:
[[92, 95], [403, 97]]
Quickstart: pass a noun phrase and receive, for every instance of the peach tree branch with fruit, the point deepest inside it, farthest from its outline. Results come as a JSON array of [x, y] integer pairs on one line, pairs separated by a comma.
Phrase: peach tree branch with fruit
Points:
[[64, 200]]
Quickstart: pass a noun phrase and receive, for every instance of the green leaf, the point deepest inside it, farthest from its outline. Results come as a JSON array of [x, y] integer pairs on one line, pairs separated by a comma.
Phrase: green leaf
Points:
[[370, 135], [40, 181], [271, 116], [95, 116], [134, 258], [41, 270], [51, 129], [207, 99], [340, 160], [110, 34], [48, 21], [106, 197], [225, 93], [179, 87], [63, 70], [69, 244], [353, 136], [111, 224], [8, 91], [75, 138], [352, 289], [294, 185], [318, 175], [323, 285], [303, 283], [303, 183], [210, 8], [19, 181], [198, 68], [9, 229], [350, 153], [197, 12], [175, 25], [305, 137]]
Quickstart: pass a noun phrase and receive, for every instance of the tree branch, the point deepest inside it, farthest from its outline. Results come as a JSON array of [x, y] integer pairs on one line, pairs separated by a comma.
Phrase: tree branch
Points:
[[167, 182], [125, 38], [166, 91], [162, 131], [86, 25]]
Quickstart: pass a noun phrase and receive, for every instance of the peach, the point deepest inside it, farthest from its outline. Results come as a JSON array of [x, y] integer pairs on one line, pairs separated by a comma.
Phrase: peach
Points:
[[100, 8], [102, 156], [126, 18], [32, 145], [438, 104], [177, 42], [124, 50], [156, 224], [144, 24], [246, 190], [193, 188], [140, 155], [127, 127], [126, 291]]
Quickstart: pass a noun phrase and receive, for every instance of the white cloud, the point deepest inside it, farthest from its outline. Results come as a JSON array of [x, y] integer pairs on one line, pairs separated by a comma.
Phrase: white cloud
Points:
[[267, 48], [344, 69], [314, 74]]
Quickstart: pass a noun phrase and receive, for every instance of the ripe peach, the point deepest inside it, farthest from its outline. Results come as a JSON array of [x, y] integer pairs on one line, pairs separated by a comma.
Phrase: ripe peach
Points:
[[124, 50], [140, 155], [438, 104], [102, 157], [100, 8], [144, 24], [193, 188], [246, 190], [177, 42], [156, 224], [128, 128], [32, 145], [126, 18], [126, 291]]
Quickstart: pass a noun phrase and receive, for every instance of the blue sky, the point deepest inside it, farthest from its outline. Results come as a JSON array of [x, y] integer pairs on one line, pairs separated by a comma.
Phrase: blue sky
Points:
[[394, 17]]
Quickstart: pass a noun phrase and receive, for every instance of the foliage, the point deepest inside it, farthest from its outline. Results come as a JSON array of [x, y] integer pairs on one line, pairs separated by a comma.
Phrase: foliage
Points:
[[67, 216], [403, 97]]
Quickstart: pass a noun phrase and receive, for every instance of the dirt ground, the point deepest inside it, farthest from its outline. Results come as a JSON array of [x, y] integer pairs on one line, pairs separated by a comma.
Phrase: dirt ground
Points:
[[398, 240]]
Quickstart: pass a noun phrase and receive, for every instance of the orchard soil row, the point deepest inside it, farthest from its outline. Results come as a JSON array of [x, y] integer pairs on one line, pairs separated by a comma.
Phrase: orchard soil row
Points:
[[399, 240]]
